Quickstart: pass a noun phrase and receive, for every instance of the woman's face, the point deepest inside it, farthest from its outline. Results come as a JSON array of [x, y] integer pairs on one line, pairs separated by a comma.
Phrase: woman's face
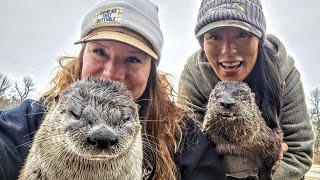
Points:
[[231, 52], [117, 61]]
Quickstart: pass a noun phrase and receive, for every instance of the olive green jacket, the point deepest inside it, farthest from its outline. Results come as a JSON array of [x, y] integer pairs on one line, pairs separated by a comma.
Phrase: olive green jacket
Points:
[[198, 79]]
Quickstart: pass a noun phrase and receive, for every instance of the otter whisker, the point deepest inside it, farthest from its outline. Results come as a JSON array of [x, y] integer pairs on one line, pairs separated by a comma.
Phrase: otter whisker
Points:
[[29, 134], [28, 114], [142, 100], [39, 140], [150, 136], [150, 146], [40, 104], [152, 120], [153, 149]]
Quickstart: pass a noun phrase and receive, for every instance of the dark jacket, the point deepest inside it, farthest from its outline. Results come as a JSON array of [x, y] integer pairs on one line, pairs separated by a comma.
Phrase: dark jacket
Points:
[[196, 160]]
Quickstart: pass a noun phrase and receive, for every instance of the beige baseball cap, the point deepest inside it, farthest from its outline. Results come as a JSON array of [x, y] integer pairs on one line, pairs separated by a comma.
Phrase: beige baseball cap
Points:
[[134, 22], [121, 35]]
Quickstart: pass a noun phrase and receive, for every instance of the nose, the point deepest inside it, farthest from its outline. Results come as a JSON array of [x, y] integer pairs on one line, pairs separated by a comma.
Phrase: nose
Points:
[[227, 101], [228, 47], [102, 139], [114, 71], [227, 105]]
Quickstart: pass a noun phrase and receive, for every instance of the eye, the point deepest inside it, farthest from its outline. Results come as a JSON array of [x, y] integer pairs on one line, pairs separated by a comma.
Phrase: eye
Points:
[[99, 51], [133, 59], [244, 97], [243, 34], [126, 119], [240, 94], [213, 36], [75, 115], [218, 95]]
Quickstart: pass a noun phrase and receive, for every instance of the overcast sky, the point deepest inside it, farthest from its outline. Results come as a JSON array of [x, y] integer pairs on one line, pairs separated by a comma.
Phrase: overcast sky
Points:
[[35, 32]]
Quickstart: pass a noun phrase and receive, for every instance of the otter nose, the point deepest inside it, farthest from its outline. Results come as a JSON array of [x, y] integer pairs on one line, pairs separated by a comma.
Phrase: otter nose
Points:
[[102, 139], [226, 100], [227, 105]]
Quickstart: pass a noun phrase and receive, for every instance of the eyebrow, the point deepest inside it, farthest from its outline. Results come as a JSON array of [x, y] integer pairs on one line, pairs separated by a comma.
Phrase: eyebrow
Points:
[[136, 51], [131, 50], [97, 43]]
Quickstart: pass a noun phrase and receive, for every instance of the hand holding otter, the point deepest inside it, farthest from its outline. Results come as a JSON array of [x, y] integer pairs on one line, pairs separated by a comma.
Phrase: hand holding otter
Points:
[[284, 148]]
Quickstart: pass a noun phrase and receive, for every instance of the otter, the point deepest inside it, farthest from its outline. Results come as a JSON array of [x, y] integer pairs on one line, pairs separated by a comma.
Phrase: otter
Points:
[[93, 132], [234, 123]]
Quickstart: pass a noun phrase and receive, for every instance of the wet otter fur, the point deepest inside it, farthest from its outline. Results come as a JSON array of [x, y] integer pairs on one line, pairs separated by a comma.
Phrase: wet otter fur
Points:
[[93, 132], [234, 123]]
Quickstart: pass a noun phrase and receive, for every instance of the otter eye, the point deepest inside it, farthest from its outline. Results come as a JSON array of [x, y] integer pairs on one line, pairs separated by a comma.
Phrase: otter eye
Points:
[[240, 94], [72, 113], [217, 95]]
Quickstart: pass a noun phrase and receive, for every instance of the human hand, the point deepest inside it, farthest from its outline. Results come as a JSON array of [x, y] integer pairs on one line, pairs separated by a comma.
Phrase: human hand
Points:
[[284, 148]]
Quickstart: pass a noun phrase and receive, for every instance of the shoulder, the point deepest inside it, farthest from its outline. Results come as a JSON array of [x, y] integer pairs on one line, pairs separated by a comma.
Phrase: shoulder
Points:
[[18, 124], [196, 59], [285, 61], [17, 127], [27, 111]]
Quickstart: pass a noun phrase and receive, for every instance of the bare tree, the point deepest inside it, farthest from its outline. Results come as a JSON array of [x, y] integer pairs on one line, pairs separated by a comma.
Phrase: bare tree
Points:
[[5, 84], [315, 115], [25, 90]]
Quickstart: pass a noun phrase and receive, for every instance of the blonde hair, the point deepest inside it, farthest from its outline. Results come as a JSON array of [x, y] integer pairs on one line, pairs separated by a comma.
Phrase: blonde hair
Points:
[[161, 118]]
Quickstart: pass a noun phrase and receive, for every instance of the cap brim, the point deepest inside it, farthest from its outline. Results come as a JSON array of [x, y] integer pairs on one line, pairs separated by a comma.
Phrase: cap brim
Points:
[[121, 37], [230, 23]]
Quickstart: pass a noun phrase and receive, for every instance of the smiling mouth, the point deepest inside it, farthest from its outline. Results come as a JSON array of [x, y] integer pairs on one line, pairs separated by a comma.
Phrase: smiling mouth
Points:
[[231, 65]]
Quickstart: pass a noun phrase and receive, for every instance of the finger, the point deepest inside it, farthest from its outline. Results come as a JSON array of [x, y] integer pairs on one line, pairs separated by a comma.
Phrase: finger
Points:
[[276, 165], [284, 147], [280, 158]]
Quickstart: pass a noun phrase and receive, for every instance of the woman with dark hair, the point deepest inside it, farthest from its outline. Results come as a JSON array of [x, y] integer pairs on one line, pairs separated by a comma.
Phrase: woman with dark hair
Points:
[[234, 46], [121, 40]]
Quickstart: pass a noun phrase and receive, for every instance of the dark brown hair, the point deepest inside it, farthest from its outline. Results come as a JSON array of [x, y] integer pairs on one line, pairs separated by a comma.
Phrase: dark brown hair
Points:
[[264, 80]]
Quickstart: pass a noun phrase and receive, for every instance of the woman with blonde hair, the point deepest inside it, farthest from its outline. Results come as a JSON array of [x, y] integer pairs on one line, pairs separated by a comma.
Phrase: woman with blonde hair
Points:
[[121, 40]]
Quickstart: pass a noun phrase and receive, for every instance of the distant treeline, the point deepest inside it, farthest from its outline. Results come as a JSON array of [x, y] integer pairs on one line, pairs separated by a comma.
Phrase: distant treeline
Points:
[[13, 93]]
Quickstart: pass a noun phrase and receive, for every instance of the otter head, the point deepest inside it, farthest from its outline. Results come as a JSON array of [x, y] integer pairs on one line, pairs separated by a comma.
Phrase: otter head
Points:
[[99, 119], [232, 111]]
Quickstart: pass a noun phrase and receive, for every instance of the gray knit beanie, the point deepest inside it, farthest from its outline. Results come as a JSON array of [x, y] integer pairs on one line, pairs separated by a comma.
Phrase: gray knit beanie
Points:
[[119, 16], [245, 14]]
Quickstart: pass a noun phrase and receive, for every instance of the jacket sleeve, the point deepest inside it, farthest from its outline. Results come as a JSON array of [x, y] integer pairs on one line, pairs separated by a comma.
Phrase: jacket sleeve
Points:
[[197, 158], [297, 130], [17, 127], [189, 95]]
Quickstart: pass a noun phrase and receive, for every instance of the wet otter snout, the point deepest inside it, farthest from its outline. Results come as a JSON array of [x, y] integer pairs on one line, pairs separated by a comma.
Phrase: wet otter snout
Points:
[[102, 138]]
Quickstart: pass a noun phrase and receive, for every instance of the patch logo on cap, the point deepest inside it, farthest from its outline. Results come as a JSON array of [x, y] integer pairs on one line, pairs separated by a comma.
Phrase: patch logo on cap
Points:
[[228, 6], [109, 16]]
